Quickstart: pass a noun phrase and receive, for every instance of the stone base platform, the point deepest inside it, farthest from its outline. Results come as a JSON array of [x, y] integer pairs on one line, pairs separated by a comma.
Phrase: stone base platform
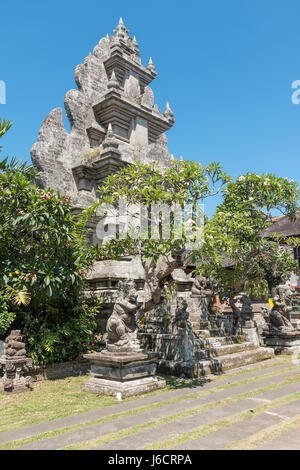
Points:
[[131, 373], [283, 342], [17, 387], [127, 389]]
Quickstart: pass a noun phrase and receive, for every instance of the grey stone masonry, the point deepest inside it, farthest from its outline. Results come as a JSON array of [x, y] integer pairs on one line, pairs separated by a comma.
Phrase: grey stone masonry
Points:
[[114, 122], [113, 118]]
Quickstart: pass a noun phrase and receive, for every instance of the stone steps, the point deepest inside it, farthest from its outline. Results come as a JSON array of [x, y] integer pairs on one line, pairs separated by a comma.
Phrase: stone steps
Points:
[[247, 354], [216, 341], [229, 349], [237, 359]]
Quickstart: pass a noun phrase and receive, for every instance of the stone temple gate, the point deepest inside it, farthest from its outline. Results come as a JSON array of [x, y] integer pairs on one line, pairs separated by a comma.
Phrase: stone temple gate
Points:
[[115, 122], [113, 118]]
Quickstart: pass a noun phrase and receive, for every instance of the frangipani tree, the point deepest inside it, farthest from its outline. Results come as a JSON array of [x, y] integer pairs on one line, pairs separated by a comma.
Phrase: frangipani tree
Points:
[[234, 232], [183, 184], [246, 211]]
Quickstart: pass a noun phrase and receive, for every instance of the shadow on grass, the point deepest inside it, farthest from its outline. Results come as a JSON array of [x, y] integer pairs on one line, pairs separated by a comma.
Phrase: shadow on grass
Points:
[[176, 383]]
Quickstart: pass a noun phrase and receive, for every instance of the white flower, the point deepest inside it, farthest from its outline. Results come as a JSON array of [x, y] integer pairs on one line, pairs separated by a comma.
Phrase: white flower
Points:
[[242, 178]]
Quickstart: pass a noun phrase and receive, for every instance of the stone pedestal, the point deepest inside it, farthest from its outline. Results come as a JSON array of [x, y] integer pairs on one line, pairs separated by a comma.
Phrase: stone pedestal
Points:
[[129, 373], [250, 332], [15, 378], [283, 342]]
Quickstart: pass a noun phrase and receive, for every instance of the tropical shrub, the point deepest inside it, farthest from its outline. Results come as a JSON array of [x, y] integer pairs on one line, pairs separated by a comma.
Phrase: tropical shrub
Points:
[[44, 259]]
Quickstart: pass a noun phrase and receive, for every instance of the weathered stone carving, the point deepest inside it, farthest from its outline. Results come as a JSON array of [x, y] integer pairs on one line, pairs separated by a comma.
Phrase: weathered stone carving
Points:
[[122, 326], [204, 287], [243, 318], [15, 365], [113, 88], [281, 333], [204, 292], [280, 315], [158, 320], [14, 346], [242, 309], [184, 341], [122, 367], [112, 125]]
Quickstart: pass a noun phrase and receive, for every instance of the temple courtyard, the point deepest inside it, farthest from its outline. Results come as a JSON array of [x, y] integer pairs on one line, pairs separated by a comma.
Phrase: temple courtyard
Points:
[[253, 407]]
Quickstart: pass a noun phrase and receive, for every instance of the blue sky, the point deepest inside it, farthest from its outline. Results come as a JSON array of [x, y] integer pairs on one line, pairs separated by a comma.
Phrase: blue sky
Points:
[[226, 68]]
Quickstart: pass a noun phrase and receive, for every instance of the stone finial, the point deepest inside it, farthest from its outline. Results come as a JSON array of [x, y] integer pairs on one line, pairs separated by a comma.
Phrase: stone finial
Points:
[[168, 113], [109, 131], [121, 32], [110, 145], [113, 82], [155, 109], [134, 44], [151, 66]]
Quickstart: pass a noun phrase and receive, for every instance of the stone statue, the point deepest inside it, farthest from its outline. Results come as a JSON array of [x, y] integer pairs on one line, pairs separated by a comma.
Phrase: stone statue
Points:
[[122, 325], [242, 309], [123, 367], [280, 315], [282, 333], [204, 287], [184, 341], [181, 319], [15, 364], [14, 345]]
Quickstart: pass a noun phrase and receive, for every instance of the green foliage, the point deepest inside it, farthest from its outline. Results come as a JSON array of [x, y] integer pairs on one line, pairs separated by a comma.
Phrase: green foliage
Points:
[[234, 251], [44, 259], [56, 336], [5, 125], [257, 289], [7, 316], [182, 182], [236, 230]]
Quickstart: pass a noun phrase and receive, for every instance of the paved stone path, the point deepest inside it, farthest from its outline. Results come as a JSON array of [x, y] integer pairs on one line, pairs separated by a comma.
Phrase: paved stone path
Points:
[[230, 411]]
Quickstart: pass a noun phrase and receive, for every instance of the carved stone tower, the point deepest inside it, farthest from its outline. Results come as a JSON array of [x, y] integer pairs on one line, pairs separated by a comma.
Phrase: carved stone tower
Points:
[[114, 122], [113, 119]]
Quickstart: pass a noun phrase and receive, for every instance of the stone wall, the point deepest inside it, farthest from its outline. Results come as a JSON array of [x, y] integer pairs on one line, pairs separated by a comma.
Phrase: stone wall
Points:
[[60, 370]]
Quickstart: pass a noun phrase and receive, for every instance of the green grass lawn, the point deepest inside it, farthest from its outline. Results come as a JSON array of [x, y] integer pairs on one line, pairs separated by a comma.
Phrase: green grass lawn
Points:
[[53, 399]]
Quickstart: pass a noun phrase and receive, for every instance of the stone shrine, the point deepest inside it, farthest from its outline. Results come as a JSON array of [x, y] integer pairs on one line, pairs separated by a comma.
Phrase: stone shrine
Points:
[[115, 122]]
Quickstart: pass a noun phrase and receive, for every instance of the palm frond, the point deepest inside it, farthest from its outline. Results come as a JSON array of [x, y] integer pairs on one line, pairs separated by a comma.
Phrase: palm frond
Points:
[[15, 164], [21, 297], [5, 125]]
